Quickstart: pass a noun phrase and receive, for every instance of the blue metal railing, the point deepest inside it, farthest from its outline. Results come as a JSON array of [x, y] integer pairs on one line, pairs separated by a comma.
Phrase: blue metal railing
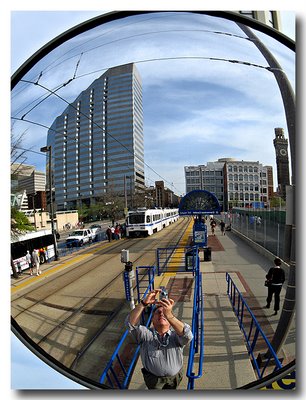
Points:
[[253, 333], [163, 256], [116, 374], [197, 343], [175, 254]]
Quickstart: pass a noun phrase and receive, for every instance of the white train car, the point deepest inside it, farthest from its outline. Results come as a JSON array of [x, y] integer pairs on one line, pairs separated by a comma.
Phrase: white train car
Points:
[[145, 222]]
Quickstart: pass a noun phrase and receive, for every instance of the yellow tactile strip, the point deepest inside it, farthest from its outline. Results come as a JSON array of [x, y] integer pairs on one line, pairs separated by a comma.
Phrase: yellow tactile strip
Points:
[[178, 257]]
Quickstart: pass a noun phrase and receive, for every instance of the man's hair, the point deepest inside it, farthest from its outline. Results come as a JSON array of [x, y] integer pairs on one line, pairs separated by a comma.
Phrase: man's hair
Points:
[[277, 261]]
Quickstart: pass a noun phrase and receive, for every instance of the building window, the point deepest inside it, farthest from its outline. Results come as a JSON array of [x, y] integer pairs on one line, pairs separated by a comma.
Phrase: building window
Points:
[[247, 13]]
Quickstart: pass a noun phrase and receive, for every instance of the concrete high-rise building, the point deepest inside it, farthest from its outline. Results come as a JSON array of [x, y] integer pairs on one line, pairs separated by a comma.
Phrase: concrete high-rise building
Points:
[[233, 182], [25, 179], [98, 140], [208, 177]]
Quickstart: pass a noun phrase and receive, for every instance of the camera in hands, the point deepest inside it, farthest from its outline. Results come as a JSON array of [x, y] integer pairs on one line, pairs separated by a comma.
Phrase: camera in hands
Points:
[[163, 294]]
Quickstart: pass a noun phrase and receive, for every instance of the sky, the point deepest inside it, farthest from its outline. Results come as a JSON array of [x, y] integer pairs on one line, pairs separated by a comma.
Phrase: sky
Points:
[[166, 98], [195, 109]]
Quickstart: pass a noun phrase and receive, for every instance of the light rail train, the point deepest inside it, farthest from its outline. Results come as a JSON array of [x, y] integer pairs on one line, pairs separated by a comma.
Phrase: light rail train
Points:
[[145, 222]]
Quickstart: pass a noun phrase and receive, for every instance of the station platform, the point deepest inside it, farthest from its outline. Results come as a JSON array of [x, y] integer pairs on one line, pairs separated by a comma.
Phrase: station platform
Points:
[[226, 364]]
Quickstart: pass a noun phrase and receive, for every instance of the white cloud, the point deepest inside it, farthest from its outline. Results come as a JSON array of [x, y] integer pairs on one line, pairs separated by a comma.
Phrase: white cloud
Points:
[[225, 102]]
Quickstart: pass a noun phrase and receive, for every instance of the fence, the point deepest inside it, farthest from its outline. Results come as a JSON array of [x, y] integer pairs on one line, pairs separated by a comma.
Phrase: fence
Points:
[[256, 340], [118, 370], [265, 227], [176, 259]]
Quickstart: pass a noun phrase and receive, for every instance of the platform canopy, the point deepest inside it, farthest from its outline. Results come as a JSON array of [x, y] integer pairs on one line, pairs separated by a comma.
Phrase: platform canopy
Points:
[[199, 202]]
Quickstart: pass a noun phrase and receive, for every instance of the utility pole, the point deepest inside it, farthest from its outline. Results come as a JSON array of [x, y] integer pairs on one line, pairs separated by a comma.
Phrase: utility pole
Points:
[[34, 210], [48, 149], [289, 105]]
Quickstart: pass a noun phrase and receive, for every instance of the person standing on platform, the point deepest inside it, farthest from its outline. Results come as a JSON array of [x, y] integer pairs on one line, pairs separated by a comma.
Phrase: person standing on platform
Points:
[[29, 261], [161, 347], [35, 261], [109, 233], [275, 278]]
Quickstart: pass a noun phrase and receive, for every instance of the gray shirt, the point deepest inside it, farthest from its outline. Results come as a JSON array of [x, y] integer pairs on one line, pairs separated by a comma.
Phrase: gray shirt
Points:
[[162, 356]]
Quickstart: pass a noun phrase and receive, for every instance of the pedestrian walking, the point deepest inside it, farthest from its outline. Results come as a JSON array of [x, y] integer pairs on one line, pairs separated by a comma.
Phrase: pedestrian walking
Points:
[[222, 227], [213, 225], [35, 261], [274, 281], [113, 232], [29, 261], [161, 346]]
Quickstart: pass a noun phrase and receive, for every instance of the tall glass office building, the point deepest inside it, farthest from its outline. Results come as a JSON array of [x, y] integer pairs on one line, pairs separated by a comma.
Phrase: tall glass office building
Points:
[[97, 142]]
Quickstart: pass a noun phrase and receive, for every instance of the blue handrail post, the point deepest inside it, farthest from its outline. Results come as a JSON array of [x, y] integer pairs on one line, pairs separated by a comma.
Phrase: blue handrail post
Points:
[[197, 343], [258, 331], [241, 315], [157, 261]]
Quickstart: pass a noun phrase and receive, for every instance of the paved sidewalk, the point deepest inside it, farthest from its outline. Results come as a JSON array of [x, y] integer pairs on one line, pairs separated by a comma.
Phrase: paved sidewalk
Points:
[[226, 362]]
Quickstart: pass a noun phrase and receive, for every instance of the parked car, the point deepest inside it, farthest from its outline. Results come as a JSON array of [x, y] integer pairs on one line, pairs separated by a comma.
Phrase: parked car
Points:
[[95, 228], [79, 237]]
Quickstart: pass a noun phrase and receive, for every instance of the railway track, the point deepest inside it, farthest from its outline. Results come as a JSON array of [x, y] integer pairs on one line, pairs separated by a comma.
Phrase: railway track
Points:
[[77, 315]]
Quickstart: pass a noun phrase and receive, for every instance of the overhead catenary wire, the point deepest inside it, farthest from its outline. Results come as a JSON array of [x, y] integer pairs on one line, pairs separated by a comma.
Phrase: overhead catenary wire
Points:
[[49, 68], [53, 92]]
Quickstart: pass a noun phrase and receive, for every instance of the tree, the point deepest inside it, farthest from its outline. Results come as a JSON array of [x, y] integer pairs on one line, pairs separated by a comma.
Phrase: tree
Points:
[[277, 201], [18, 155], [19, 222], [83, 212]]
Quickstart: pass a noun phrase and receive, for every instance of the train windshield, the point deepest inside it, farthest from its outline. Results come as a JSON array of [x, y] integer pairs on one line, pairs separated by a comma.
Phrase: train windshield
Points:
[[136, 219]]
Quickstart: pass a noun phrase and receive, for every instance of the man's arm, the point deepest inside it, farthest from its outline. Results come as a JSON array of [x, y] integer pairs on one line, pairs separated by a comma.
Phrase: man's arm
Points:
[[135, 314]]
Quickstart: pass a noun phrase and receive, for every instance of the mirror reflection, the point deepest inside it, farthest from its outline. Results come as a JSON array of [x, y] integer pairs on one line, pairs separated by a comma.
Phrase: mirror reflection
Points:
[[110, 132]]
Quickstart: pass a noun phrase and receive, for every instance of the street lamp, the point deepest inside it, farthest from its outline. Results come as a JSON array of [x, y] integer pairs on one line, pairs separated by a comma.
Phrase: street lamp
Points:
[[34, 210], [48, 149]]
